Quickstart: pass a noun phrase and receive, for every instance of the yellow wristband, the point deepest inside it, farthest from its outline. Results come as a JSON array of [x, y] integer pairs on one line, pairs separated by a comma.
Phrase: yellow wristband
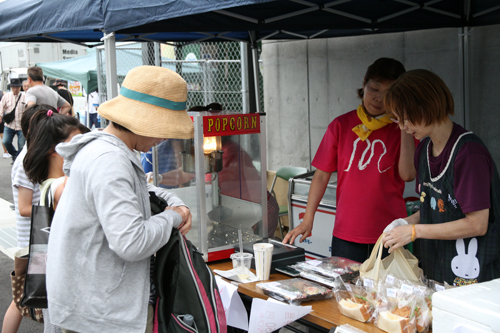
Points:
[[413, 233]]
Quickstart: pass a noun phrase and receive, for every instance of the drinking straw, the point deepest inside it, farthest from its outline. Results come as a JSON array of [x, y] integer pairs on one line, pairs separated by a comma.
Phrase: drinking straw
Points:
[[240, 239]]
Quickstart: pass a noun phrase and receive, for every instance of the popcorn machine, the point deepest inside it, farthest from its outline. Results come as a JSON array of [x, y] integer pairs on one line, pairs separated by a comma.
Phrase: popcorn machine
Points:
[[227, 190]]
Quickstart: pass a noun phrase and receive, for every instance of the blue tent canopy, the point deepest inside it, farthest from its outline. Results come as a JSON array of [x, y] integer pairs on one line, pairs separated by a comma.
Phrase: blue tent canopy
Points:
[[189, 20]]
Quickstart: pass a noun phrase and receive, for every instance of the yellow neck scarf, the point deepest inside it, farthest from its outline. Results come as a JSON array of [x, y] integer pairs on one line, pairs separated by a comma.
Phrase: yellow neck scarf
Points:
[[369, 124]]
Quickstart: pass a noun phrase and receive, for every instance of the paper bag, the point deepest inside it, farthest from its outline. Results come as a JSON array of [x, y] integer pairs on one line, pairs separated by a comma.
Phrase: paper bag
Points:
[[401, 262]]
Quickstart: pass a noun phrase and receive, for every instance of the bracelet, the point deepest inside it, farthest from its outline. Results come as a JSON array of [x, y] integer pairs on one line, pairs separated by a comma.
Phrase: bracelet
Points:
[[413, 233]]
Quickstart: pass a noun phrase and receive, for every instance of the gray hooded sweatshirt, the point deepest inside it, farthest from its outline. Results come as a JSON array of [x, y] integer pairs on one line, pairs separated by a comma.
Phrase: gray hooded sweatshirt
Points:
[[102, 237]]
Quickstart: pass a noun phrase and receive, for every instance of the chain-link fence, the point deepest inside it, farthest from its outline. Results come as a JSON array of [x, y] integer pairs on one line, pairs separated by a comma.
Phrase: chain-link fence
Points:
[[213, 71]]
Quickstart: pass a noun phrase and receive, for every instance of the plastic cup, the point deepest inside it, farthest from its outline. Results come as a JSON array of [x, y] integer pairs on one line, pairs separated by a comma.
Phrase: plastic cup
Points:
[[263, 257], [241, 264]]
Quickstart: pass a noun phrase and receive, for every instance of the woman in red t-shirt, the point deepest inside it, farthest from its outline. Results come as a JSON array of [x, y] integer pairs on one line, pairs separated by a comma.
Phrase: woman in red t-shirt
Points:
[[373, 159]]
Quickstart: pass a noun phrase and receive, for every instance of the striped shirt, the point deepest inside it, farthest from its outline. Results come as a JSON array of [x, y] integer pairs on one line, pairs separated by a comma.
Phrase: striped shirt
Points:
[[8, 103], [19, 178]]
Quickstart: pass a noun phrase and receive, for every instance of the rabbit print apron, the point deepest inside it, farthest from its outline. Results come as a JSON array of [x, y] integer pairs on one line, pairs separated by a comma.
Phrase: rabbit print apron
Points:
[[461, 261]]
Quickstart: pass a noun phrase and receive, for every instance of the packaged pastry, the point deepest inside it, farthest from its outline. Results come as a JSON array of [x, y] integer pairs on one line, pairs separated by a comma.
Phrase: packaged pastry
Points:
[[423, 308], [331, 267], [395, 322], [333, 283], [397, 306], [355, 302], [295, 291]]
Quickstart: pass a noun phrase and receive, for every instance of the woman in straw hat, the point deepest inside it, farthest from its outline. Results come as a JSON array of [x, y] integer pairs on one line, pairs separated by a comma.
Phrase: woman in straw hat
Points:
[[103, 234]]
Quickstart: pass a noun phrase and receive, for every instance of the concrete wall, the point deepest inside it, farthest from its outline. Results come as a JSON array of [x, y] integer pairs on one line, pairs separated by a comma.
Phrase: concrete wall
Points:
[[309, 83]]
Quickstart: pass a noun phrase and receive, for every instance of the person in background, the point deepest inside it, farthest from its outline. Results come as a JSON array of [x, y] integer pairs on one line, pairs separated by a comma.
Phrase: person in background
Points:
[[372, 158], [24, 194], [43, 165], [26, 85], [170, 173], [458, 224], [41, 94], [13, 102], [105, 210], [60, 87], [5, 152], [169, 164], [92, 106]]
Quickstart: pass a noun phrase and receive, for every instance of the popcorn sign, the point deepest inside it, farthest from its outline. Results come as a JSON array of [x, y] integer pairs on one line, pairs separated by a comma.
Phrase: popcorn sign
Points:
[[231, 124]]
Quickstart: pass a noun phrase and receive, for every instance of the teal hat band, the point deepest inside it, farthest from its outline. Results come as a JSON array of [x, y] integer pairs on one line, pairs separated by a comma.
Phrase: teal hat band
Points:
[[158, 101]]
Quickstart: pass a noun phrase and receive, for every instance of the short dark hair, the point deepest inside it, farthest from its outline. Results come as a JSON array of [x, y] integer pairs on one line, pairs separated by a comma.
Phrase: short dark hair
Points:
[[28, 114], [35, 73], [382, 70], [46, 131], [419, 95], [120, 127]]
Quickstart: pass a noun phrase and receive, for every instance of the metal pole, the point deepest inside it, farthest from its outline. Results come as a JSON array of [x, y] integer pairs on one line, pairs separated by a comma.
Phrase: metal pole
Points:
[[157, 60], [244, 77], [464, 58], [111, 72], [263, 173], [100, 89], [155, 164], [466, 69], [464, 75], [157, 54], [204, 66], [200, 186], [255, 62]]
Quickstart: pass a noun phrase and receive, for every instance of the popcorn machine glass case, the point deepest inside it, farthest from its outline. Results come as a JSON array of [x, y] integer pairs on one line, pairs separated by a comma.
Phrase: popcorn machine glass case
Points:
[[225, 167]]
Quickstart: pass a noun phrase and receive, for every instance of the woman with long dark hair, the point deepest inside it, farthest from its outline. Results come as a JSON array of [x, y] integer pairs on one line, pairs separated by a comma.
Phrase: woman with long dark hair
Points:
[[44, 166]]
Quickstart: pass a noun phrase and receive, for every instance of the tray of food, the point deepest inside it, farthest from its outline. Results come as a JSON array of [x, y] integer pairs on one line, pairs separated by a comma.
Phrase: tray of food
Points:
[[295, 291], [331, 267]]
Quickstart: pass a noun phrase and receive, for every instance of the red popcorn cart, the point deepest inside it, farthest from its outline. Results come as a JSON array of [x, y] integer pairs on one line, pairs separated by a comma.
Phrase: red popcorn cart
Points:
[[226, 191]]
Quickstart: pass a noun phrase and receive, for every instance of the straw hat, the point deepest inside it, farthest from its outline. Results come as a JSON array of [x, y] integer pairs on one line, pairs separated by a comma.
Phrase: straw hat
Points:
[[152, 102]]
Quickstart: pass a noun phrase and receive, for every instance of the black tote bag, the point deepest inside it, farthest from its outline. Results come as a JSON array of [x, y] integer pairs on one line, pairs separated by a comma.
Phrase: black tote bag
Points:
[[35, 292]]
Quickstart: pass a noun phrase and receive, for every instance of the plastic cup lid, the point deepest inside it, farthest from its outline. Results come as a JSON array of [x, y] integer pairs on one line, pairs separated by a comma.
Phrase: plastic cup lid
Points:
[[240, 255], [263, 247]]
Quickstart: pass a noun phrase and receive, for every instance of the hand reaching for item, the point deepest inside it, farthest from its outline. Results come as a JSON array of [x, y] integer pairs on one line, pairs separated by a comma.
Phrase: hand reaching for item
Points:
[[185, 213], [149, 177], [395, 223], [304, 229], [399, 236]]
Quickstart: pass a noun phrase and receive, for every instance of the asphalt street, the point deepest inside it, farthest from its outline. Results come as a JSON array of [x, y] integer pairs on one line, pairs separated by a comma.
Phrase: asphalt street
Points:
[[6, 263]]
